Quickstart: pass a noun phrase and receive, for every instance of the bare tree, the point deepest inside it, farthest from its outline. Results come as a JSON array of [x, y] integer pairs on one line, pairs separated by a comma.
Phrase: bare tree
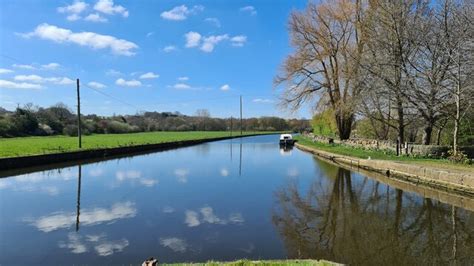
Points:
[[328, 41]]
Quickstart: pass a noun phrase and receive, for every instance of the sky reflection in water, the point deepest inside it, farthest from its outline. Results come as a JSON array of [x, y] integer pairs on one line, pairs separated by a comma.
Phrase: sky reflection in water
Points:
[[222, 201]]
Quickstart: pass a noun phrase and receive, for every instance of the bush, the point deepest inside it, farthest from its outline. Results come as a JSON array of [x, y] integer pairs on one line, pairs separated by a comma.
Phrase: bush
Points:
[[70, 130]]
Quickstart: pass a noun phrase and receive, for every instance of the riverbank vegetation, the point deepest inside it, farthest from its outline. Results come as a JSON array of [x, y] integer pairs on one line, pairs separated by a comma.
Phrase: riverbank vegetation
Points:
[[12, 147], [30, 120], [382, 155], [384, 69]]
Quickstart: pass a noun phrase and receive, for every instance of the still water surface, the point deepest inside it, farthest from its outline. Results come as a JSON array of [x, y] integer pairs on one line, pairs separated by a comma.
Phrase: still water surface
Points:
[[224, 200]]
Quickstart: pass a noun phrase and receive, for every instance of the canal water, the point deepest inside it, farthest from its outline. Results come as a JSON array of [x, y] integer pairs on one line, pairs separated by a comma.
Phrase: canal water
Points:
[[226, 200]]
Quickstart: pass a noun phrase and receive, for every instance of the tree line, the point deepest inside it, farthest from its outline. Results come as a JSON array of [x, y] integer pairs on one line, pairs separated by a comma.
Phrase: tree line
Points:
[[30, 120], [391, 66]]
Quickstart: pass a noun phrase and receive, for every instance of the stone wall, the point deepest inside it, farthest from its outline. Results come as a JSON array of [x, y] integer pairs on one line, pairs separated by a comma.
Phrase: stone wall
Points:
[[410, 148]]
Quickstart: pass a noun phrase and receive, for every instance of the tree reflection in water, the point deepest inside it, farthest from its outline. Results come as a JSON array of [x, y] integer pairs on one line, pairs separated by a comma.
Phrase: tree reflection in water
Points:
[[349, 218]]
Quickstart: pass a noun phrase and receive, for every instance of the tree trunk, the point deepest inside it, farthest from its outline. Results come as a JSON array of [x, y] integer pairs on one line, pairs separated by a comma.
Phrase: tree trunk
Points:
[[344, 124], [427, 134], [438, 137], [401, 122]]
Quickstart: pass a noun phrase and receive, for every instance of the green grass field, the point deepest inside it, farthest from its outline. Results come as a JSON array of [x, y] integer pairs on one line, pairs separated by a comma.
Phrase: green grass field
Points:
[[261, 263], [12, 147], [383, 155]]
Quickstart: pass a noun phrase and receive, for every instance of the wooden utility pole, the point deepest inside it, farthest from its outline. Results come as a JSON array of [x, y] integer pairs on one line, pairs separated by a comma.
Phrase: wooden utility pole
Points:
[[79, 133], [240, 115], [231, 126]]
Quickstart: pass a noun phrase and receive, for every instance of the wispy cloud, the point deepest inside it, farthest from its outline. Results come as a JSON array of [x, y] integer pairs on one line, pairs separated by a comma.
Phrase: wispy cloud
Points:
[[183, 78], [108, 7], [96, 85], [169, 48], [208, 43], [149, 75], [75, 8], [213, 21], [180, 12], [39, 79], [128, 83], [259, 100], [225, 87], [181, 86], [192, 39], [206, 215], [5, 71], [20, 66], [89, 39], [6, 84], [249, 9], [95, 17], [51, 66]]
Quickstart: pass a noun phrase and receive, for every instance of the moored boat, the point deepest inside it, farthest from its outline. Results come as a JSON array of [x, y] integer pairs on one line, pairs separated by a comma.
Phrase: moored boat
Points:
[[286, 139]]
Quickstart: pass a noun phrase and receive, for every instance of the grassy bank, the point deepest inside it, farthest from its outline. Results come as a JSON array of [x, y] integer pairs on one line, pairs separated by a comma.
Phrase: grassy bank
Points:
[[260, 263], [382, 155], [12, 147]]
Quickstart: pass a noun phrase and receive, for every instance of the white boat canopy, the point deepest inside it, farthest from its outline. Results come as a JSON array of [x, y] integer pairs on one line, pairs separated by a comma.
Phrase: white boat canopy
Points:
[[286, 137]]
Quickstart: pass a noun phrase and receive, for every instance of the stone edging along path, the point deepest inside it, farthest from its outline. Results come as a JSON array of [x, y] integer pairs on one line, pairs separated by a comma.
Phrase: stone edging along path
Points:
[[457, 182], [11, 163]]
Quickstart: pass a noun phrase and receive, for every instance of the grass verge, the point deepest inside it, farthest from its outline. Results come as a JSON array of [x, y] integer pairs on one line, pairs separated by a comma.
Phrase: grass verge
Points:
[[14, 147], [260, 263], [383, 155]]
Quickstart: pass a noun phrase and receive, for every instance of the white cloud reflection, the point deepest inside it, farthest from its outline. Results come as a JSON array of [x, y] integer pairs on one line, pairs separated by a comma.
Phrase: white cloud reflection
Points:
[[99, 243], [174, 243], [207, 215], [182, 175], [61, 220], [135, 177]]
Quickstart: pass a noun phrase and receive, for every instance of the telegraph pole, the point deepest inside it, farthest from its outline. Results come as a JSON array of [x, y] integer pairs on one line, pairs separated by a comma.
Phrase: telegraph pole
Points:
[[79, 133], [231, 126], [240, 115]]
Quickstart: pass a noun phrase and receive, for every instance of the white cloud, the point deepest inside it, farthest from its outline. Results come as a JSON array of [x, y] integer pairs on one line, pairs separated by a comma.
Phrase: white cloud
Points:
[[60, 220], [181, 86], [258, 100], [174, 243], [169, 48], [113, 72], [239, 40], [6, 84], [149, 75], [213, 21], [74, 8], [89, 39], [249, 9], [29, 67], [210, 42], [183, 78], [168, 209], [78, 244], [191, 218], [96, 85], [128, 83], [192, 39], [225, 87], [51, 66], [208, 216], [108, 7], [181, 12], [39, 79], [73, 17], [207, 44], [5, 71], [95, 17], [96, 171], [149, 34]]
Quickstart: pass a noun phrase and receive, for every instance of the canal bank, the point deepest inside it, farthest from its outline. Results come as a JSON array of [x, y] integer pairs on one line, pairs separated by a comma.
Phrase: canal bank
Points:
[[31, 161], [461, 182]]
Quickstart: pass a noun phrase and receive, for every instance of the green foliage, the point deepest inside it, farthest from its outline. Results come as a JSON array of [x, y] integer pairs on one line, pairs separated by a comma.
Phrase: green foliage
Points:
[[324, 124]]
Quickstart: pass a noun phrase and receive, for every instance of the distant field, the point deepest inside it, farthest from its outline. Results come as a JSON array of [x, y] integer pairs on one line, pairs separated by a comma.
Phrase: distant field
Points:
[[260, 263], [12, 147]]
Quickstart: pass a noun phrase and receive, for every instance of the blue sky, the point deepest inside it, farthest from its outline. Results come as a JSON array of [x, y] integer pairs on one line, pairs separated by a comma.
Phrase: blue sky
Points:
[[145, 55]]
